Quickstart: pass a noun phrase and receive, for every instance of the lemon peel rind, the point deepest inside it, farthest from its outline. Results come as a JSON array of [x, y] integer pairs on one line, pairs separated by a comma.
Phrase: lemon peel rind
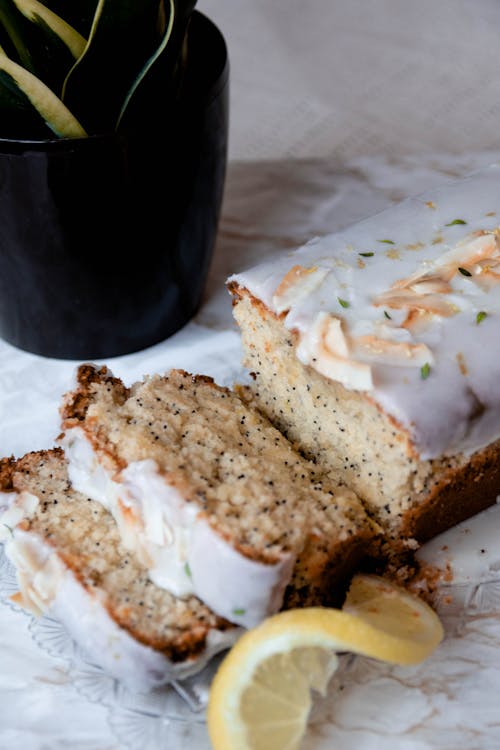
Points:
[[320, 627], [379, 619]]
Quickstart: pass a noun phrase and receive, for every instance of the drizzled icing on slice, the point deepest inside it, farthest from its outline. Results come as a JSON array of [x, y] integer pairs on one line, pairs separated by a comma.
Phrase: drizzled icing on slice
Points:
[[402, 324]]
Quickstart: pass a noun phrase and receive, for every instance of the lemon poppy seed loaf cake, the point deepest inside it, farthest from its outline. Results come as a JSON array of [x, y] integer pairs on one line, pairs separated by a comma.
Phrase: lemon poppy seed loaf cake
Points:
[[376, 350], [71, 564], [210, 496]]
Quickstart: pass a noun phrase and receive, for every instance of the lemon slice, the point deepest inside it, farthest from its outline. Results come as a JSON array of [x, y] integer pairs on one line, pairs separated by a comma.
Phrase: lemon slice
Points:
[[260, 697]]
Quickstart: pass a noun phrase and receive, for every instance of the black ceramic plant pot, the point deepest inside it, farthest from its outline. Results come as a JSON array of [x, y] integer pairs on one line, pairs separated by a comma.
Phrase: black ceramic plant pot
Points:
[[105, 242]]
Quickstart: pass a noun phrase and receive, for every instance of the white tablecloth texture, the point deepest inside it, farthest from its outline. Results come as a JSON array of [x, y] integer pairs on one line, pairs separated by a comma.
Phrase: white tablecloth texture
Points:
[[347, 78], [338, 109]]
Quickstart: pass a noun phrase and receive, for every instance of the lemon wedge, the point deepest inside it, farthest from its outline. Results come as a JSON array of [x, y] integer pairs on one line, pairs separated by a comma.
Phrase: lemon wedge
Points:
[[260, 698]]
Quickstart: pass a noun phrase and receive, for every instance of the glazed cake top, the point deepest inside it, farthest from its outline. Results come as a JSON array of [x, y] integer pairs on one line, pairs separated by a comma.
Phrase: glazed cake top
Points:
[[405, 305]]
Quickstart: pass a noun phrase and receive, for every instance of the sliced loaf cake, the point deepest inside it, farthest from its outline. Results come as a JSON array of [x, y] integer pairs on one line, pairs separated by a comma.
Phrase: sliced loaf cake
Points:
[[212, 499], [376, 351], [71, 564]]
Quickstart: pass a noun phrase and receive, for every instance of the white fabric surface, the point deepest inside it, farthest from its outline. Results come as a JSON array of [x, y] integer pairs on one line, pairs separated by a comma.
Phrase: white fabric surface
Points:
[[360, 77], [337, 109]]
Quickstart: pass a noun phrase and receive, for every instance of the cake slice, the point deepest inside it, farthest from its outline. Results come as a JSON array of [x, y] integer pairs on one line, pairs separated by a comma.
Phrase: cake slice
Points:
[[376, 351], [71, 564], [212, 499]]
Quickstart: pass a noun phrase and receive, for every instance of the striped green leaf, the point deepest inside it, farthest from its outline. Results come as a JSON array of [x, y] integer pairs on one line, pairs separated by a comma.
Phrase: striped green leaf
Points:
[[40, 14], [162, 71], [40, 41], [124, 36], [167, 17], [29, 109], [78, 13]]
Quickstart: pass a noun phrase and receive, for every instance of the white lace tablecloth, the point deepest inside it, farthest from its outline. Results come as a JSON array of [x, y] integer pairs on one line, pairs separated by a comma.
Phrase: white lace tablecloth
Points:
[[337, 110]]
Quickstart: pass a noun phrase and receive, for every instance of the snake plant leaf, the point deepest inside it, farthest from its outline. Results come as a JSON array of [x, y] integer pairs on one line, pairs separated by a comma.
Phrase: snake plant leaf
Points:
[[78, 13], [39, 40], [159, 72], [29, 109], [168, 24], [39, 13], [124, 36]]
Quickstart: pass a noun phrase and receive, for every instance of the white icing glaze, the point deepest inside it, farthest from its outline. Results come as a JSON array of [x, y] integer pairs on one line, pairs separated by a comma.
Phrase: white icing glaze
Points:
[[222, 575], [48, 586], [40, 571], [14, 507], [457, 407], [170, 537]]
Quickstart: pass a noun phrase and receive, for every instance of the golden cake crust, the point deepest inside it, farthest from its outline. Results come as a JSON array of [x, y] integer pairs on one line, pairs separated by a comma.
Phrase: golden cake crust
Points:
[[86, 539], [409, 497]]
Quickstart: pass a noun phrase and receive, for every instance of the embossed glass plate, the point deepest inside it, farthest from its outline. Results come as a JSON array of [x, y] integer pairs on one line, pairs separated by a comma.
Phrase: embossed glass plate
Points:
[[451, 700]]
